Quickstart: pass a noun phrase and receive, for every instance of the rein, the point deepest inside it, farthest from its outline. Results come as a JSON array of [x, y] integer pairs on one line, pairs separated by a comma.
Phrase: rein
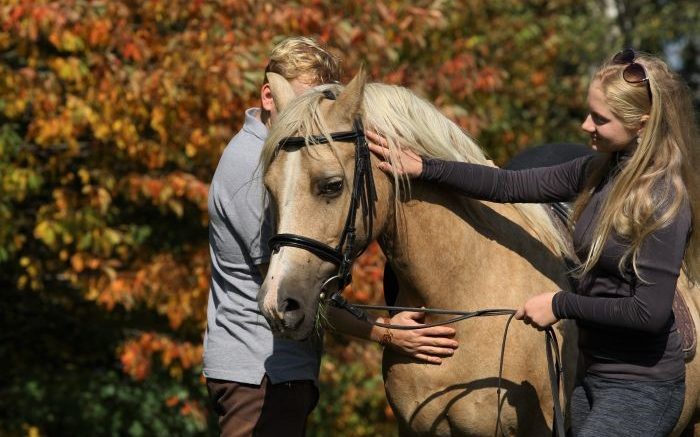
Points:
[[554, 366]]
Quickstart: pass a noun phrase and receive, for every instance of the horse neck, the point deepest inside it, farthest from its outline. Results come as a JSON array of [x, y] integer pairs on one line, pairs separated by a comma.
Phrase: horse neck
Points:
[[441, 245]]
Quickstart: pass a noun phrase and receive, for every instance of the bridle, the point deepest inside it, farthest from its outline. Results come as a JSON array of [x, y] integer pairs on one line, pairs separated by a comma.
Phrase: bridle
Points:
[[363, 195]]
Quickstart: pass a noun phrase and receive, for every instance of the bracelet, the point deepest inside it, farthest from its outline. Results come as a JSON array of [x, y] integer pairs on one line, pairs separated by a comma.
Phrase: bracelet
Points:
[[386, 338]]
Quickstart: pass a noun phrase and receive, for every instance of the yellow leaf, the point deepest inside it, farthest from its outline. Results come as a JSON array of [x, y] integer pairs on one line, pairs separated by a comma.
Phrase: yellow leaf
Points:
[[190, 150], [176, 207], [71, 42], [77, 262], [44, 231], [113, 236], [104, 199], [84, 176]]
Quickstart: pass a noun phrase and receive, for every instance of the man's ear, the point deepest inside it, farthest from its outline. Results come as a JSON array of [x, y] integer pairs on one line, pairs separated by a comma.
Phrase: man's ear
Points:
[[281, 89], [266, 100]]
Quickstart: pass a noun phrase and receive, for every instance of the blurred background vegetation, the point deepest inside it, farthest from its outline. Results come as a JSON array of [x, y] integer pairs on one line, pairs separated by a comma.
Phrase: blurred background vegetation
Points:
[[113, 114]]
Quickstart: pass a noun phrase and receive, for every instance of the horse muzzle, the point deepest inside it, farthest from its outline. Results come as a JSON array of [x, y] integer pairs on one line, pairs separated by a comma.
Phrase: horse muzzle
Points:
[[288, 316]]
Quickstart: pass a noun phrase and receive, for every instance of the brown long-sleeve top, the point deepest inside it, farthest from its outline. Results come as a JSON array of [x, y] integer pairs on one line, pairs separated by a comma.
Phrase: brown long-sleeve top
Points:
[[626, 325]]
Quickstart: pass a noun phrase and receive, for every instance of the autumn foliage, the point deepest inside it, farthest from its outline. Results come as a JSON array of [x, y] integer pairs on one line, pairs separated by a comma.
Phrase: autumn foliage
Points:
[[112, 117]]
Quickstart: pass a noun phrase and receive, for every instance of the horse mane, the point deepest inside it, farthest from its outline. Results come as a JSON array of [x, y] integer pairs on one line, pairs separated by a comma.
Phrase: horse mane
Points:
[[402, 117]]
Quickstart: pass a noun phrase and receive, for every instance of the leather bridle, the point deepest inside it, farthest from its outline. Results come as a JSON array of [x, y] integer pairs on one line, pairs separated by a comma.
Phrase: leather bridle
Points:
[[363, 195]]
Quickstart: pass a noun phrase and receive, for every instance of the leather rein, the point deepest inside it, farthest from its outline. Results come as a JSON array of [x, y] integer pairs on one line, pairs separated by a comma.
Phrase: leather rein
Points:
[[364, 196]]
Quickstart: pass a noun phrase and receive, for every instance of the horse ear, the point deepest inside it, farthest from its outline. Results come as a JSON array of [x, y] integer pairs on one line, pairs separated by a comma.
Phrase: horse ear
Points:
[[349, 101], [282, 91]]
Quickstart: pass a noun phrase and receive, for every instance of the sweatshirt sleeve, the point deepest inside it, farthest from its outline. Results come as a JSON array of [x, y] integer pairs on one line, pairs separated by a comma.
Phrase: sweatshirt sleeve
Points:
[[545, 184], [659, 263]]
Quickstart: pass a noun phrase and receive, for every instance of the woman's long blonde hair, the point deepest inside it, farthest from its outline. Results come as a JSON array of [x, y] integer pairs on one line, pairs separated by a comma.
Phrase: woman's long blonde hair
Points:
[[661, 174]]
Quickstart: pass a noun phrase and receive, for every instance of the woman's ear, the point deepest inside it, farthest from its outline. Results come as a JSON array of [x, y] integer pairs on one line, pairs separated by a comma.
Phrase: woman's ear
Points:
[[642, 122]]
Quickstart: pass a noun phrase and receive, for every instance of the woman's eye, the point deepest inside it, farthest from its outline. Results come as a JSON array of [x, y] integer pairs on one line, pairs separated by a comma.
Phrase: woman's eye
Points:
[[331, 187], [599, 120]]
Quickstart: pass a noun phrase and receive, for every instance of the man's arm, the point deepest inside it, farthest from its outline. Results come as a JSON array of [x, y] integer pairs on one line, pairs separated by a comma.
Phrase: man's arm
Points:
[[424, 344]]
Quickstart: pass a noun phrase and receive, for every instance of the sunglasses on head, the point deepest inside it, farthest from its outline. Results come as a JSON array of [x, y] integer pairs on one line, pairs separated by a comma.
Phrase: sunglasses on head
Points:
[[634, 72]]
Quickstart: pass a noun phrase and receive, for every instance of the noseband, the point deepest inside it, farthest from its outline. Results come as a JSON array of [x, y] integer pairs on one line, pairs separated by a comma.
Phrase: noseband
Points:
[[363, 195]]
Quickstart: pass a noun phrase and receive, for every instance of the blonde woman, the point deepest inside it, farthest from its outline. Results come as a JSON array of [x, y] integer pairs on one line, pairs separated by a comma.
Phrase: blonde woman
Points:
[[636, 204]]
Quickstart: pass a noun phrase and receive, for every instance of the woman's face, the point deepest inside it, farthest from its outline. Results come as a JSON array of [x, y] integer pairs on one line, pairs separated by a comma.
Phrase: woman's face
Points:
[[608, 134]]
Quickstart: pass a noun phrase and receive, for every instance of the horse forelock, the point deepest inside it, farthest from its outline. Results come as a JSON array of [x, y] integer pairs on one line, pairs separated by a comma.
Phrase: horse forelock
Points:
[[304, 116]]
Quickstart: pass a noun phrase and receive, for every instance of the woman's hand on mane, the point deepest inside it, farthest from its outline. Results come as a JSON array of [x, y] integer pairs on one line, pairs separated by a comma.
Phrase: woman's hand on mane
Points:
[[405, 162]]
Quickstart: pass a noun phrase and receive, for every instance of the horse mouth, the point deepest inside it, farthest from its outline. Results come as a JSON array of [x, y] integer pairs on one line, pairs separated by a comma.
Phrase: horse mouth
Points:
[[291, 323], [290, 312], [281, 330]]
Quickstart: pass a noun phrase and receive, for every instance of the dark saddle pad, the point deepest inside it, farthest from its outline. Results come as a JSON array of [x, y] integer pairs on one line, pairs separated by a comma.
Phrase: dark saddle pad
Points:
[[686, 326]]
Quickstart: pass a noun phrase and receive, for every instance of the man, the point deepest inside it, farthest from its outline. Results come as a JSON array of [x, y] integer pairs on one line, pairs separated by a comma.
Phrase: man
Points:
[[259, 384]]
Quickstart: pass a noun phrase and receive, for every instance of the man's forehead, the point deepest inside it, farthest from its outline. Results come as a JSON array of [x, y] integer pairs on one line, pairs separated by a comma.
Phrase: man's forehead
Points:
[[302, 83]]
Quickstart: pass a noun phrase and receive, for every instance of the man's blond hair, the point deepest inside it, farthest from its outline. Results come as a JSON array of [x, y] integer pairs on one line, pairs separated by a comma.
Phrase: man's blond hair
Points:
[[303, 56]]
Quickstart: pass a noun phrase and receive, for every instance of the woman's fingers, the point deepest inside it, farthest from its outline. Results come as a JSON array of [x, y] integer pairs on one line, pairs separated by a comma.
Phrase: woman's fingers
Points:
[[376, 138], [442, 341], [441, 345], [520, 313], [381, 152], [377, 144], [438, 331], [405, 162], [436, 351], [428, 358]]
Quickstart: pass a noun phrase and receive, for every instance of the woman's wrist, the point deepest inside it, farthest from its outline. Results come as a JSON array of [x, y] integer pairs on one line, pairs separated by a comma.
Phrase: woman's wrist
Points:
[[381, 335], [387, 338], [556, 310], [430, 168]]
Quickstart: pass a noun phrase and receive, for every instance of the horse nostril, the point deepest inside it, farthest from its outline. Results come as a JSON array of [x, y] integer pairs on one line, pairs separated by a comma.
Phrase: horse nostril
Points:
[[292, 314], [289, 305]]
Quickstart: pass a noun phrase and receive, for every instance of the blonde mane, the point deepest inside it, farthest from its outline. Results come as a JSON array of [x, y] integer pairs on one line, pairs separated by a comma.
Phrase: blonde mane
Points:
[[402, 117]]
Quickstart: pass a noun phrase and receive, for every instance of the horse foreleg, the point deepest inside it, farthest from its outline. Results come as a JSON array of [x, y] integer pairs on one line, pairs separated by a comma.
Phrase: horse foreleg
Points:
[[404, 430], [693, 430]]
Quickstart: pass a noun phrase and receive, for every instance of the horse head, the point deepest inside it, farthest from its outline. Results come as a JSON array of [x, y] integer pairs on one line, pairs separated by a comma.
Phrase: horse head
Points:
[[310, 172]]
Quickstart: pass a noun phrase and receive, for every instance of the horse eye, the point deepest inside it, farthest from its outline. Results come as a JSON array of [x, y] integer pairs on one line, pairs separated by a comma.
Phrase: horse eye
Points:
[[329, 188]]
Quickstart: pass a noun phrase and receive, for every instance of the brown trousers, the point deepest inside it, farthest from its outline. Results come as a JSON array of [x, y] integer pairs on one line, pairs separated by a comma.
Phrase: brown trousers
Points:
[[265, 410]]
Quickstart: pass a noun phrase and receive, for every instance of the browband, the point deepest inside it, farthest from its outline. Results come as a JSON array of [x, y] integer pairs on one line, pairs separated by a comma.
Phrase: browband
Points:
[[318, 139]]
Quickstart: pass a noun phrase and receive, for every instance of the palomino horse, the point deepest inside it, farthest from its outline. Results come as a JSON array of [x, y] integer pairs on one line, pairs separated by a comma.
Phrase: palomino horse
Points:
[[448, 251]]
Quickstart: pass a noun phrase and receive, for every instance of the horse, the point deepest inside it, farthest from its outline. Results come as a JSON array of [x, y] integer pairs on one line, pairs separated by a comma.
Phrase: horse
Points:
[[447, 251]]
